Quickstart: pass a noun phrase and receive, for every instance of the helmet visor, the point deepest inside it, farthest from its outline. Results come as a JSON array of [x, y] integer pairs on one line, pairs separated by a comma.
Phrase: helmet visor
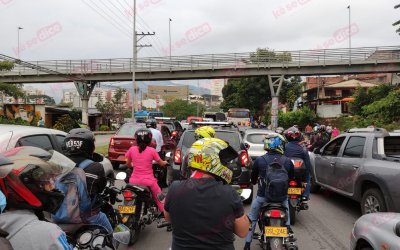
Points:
[[6, 166]]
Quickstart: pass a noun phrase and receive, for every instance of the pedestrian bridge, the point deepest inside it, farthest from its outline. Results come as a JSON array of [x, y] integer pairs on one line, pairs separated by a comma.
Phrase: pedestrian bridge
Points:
[[366, 60]]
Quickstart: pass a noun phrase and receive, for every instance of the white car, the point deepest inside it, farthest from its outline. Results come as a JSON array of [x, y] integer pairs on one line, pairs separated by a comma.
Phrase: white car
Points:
[[12, 136]]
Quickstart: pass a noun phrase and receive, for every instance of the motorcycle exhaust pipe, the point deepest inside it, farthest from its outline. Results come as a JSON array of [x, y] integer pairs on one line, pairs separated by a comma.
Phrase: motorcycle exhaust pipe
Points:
[[292, 247], [145, 218], [304, 207]]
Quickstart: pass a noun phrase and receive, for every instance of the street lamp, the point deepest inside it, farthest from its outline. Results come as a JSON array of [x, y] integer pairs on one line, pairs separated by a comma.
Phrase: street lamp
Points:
[[134, 62], [170, 45], [19, 28], [349, 31]]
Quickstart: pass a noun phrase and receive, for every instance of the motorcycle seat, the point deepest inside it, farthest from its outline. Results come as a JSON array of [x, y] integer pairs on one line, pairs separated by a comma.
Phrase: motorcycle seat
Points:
[[273, 205], [145, 188]]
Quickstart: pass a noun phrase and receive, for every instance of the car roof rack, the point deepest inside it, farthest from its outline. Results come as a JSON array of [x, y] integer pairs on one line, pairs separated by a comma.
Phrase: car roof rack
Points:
[[365, 130], [165, 118], [220, 124], [395, 131]]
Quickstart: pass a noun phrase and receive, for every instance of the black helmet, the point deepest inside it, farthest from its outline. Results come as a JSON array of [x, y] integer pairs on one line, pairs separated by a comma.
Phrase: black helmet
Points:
[[78, 141], [293, 134], [30, 183], [151, 123], [322, 129], [143, 135]]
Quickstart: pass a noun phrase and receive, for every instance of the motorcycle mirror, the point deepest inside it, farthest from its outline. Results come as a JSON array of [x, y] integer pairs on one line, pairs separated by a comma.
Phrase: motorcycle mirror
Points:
[[245, 193], [97, 157], [168, 155], [121, 176], [122, 234]]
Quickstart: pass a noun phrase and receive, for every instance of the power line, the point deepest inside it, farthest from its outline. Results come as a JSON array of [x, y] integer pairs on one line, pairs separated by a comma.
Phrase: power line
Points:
[[106, 19], [106, 13], [114, 12]]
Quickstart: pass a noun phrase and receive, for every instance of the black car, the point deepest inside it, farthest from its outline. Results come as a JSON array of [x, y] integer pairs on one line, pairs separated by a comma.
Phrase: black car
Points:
[[173, 125], [240, 167]]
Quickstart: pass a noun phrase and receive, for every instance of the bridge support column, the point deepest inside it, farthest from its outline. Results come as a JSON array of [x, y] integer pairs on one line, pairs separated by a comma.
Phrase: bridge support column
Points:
[[85, 90], [275, 81]]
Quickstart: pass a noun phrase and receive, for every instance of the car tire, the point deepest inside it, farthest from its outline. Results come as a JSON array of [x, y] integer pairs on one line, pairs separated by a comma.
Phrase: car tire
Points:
[[314, 187], [250, 199], [292, 214], [367, 248], [373, 201], [115, 165]]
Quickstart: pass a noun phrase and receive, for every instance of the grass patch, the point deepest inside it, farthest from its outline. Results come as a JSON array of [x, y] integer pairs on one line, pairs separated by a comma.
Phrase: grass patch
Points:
[[102, 150]]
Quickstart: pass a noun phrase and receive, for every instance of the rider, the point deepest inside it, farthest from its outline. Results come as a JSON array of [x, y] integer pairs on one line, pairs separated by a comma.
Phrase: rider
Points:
[[294, 149], [29, 189], [152, 125], [274, 145], [279, 130], [316, 139], [141, 158], [214, 209], [79, 143]]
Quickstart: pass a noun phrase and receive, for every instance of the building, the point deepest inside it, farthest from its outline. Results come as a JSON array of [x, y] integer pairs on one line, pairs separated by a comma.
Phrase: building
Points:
[[98, 94], [217, 86], [29, 91], [69, 95]]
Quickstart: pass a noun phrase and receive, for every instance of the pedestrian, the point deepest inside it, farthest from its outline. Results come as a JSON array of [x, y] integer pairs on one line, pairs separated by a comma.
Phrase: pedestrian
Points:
[[329, 130], [335, 132], [308, 131], [40, 122]]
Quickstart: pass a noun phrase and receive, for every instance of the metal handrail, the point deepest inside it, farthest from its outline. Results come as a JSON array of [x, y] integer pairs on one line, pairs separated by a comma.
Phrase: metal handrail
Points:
[[232, 61]]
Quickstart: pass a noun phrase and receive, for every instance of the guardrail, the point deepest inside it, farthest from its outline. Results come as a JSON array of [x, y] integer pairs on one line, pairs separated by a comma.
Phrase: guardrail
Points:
[[261, 59]]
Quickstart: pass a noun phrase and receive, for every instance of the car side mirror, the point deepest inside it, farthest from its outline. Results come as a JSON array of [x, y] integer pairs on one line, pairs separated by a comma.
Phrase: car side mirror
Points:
[[97, 157], [168, 155], [317, 151]]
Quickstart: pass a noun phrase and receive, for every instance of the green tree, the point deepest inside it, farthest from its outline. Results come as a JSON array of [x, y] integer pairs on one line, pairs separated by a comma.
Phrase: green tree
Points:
[[180, 109], [76, 114], [106, 109], [119, 101], [7, 89], [68, 104], [398, 22], [385, 110], [46, 99], [64, 123], [293, 84], [290, 99], [362, 98]]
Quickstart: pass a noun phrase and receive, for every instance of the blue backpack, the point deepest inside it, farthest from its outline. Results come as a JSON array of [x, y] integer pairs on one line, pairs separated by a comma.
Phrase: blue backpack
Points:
[[77, 202], [276, 179]]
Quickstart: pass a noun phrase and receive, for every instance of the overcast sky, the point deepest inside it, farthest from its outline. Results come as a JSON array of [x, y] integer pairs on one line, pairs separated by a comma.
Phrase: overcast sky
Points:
[[232, 26]]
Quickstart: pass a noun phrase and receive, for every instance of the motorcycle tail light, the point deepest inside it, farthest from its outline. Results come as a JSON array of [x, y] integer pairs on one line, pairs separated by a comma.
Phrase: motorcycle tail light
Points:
[[174, 133], [177, 156], [128, 195], [275, 214], [297, 164], [292, 183], [244, 157], [293, 197]]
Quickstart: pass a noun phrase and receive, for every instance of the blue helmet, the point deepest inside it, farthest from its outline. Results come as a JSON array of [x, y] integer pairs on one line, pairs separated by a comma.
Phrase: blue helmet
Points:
[[275, 142]]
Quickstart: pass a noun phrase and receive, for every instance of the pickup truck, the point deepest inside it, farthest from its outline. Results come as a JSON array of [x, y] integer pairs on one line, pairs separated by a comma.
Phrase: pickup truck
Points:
[[362, 164]]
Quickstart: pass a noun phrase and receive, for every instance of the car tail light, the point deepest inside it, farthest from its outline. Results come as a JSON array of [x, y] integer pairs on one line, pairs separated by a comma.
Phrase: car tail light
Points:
[[112, 143], [161, 122], [292, 183], [128, 195], [248, 124], [244, 157], [177, 156], [174, 133], [297, 164]]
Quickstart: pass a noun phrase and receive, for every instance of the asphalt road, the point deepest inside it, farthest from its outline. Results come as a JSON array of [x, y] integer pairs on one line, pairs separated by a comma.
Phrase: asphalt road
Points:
[[326, 225], [102, 140]]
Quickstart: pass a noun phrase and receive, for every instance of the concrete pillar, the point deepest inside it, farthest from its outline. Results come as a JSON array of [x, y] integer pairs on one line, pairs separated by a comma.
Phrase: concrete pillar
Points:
[[85, 90], [275, 97], [85, 112], [274, 111]]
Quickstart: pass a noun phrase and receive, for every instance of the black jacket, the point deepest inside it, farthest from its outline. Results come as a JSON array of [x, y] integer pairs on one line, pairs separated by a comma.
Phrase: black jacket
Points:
[[95, 176]]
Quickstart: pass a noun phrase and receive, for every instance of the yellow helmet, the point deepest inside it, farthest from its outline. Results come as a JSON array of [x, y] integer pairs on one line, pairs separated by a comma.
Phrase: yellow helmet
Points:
[[204, 132], [211, 155]]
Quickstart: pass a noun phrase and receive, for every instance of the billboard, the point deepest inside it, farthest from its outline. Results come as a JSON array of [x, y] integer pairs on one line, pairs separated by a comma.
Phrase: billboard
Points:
[[177, 92]]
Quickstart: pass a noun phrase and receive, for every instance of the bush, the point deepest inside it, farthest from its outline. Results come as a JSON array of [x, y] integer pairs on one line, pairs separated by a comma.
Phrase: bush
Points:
[[18, 121], [104, 128], [301, 118], [64, 123]]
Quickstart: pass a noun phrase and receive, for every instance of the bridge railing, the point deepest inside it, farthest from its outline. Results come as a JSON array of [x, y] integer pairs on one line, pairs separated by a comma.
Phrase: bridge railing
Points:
[[260, 59]]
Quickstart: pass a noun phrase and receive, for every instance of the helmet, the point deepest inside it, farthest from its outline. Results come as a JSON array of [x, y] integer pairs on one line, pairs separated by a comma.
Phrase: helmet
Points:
[[151, 123], [211, 155], [293, 134], [79, 141], [295, 126], [30, 183], [204, 132], [275, 142], [322, 129], [143, 135], [279, 130], [316, 129]]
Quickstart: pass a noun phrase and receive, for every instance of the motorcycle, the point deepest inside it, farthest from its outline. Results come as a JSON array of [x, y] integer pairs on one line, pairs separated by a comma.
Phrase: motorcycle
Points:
[[95, 237], [273, 231], [109, 197], [296, 190], [138, 209]]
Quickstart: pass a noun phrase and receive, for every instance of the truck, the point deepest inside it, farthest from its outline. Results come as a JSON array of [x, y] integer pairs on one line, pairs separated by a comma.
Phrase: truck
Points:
[[362, 164], [216, 116]]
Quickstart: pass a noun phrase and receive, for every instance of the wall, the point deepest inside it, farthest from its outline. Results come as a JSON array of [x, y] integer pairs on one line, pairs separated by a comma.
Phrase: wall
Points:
[[179, 92], [151, 103], [24, 111], [327, 111]]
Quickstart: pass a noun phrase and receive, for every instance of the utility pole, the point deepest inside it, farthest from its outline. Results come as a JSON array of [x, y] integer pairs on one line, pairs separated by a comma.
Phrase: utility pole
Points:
[[170, 45], [349, 32], [198, 85], [19, 28], [134, 62], [318, 91]]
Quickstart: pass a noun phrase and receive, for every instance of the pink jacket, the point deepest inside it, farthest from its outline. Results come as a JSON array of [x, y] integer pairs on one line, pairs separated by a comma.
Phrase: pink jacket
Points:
[[335, 132]]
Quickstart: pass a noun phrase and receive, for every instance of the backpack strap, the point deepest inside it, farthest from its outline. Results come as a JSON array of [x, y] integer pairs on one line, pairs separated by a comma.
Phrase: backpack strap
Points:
[[84, 164]]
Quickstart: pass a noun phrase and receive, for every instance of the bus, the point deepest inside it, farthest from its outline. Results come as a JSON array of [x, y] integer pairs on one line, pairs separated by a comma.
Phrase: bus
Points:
[[216, 116], [238, 116], [143, 116]]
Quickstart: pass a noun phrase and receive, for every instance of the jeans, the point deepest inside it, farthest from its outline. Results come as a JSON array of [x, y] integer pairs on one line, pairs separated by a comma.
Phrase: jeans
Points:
[[307, 192], [255, 211], [330, 135], [101, 219]]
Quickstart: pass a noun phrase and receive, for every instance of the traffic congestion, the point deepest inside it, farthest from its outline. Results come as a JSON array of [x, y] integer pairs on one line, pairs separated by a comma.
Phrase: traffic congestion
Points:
[[254, 179]]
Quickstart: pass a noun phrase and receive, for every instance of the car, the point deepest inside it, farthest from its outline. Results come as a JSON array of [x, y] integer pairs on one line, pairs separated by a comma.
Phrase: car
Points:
[[124, 139], [376, 231], [254, 141], [173, 125], [240, 167], [12, 136], [215, 125], [194, 118], [362, 164]]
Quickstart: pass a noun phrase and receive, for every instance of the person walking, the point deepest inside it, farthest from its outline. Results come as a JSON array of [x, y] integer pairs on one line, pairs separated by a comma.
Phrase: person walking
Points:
[[308, 131], [40, 122], [335, 132], [329, 130]]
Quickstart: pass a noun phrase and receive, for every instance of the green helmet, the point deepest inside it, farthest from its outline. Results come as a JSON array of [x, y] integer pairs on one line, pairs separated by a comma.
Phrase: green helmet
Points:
[[204, 132], [275, 143]]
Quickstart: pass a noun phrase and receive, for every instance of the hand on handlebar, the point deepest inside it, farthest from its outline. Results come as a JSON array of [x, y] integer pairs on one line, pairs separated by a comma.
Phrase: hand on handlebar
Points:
[[304, 184]]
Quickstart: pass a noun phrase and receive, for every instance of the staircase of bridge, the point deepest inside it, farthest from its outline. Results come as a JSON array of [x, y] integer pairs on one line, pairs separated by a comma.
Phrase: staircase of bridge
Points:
[[306, 62]]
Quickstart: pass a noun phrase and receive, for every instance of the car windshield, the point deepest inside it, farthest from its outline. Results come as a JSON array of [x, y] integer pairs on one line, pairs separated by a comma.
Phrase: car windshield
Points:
[[256, 138], [129, 129], [231, 138]]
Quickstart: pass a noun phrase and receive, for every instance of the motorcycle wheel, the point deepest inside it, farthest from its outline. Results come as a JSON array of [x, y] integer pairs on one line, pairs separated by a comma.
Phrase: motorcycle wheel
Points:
[[135, 232], [292, 212]]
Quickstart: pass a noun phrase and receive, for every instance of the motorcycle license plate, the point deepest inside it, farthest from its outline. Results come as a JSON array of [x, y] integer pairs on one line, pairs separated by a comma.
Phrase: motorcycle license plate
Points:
[[276, 231], [127, 209], [294, 191]]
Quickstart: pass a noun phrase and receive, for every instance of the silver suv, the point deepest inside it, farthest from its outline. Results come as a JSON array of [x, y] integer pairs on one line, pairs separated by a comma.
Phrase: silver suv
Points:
[[254, 142]]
